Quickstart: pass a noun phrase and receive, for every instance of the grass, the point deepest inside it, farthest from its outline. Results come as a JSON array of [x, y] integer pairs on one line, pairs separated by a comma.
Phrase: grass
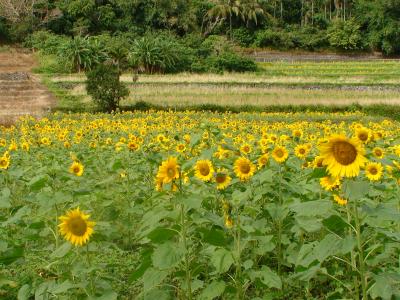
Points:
[[371, 86]]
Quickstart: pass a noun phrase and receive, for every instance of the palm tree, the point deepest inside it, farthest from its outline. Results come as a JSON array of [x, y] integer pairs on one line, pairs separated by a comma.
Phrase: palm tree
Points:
[[223, 10], [251, 10]]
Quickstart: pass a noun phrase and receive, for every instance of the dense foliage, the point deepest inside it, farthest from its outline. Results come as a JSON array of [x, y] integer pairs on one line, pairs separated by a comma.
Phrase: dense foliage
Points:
[[274, 23], [187, 205], [103, 84]]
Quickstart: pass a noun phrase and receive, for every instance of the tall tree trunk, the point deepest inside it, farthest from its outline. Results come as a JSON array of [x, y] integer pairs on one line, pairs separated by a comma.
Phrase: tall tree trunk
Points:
[[281, 9]]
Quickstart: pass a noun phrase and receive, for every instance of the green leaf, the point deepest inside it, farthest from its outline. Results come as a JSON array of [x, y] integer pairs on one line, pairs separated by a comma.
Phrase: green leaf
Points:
[[161, 235], [23, 211], [386, 286], [267, 176], [317, 173], [222, 260], [37, 182], [214, 236], [269, 278], [153, 277], [309, 224], [330, 245], [312, 208], [61, 251], [145, 258], [309, 273], [24, 292], [62, 287], [5, 198], [355, 189], [11, 255], [213, 290], [167, 255], [157, 294], [335, 224]]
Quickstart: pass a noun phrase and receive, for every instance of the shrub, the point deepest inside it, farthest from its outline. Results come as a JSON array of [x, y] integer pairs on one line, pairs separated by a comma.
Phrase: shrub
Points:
[[243, 36], [231, 62], [103, 84], [46, 42], [83, 53], [345, 35], [277, 39]]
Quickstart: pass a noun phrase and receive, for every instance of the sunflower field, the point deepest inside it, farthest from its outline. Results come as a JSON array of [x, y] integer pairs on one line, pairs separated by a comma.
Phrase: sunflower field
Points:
[[200, 205]]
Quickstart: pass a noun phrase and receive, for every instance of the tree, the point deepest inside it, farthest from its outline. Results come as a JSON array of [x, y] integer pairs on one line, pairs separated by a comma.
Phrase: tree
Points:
[[252, 11], [225, 10], [104, 85]]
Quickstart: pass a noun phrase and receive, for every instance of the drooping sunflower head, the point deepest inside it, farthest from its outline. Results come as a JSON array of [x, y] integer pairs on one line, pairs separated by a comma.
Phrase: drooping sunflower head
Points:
[[280, 154], [76, 227], [343, 157], [374, 171], [318, 162], [222, 179], [76, 168], [244, 168], [339, 200], [263, 160], [329, 183], [169, 170], [204, 170]]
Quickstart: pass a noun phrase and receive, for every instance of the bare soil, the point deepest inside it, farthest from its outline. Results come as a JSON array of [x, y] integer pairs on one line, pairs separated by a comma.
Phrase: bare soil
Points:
[[21, 92]]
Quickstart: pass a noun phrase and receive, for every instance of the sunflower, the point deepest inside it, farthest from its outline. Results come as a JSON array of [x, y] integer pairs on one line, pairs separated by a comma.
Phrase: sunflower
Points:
[[263, 160], [297, 133], [343, 157], [378, 152], [245, 149], [373, 171], [228, 221], [329, 183], [181, 148], [222, 179], [301, 151], [76, 168], [168, 171], [280, 154], [204, 170], [4, 162], [363, 134], [244, 168], [318, 162], [133, 145], [75, 227], [339, 200]]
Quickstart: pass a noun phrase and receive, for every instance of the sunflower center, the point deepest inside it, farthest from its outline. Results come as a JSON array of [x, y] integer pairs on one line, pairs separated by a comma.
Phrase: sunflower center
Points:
[[344, 152], [279, 153], [302, 151], [204, 170], [76, 169], [220, 178], [378, 152], [363, 136], [3, 163], [171, 172], [246, 149], [77, 226], [245, 168], [373, 171]]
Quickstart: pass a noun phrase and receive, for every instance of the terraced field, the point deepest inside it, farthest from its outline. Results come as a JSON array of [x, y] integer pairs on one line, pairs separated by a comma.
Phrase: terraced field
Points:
[[21, 92], [284, 83]]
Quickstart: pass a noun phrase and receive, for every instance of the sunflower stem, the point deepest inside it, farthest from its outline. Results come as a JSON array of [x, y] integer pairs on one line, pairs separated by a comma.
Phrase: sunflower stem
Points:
[[353, 258], [280, 223], [187, 258], [238, 276], [360, 247]]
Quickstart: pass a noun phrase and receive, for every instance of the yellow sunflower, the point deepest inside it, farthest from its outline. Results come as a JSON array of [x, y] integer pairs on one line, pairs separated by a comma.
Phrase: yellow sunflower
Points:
[[222, 179], [76, 227], [363, 134], [329, 183], [378, 152], [169, 170], [339, 200], [244, 168], [373, 171], [343, 157], [4, 162], [280, 154], [76, 168], [301, 151], [204, 170], [181, 148], [228, 221], [318, 162], [245, 149], [263, 160]]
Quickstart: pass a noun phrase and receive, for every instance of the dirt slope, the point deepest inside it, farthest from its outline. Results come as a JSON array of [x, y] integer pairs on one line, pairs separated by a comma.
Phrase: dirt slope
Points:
[[21, 92]]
